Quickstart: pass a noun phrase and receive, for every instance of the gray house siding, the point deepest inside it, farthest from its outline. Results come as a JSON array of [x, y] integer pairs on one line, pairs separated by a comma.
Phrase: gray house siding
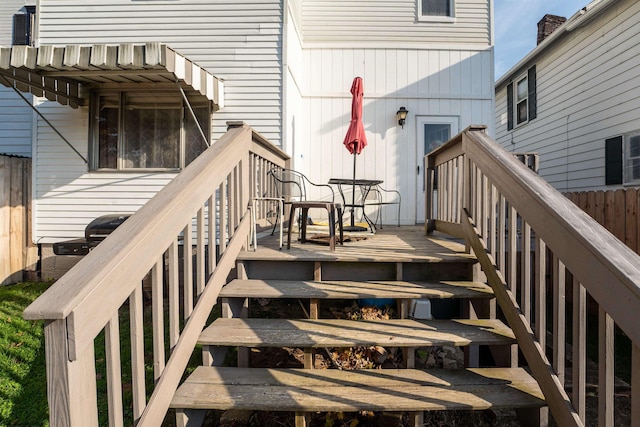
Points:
[[588, 90]]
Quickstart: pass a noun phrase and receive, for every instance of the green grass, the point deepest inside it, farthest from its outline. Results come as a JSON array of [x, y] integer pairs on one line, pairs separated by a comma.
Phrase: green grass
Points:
[[23, 385]]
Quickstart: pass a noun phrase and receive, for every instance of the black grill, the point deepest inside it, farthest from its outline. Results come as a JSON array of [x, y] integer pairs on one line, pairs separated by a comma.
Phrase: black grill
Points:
[[94, 233]]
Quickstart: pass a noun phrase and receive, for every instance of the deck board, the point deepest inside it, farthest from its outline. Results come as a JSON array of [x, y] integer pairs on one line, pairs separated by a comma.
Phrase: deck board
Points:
[[347, 391], [313, 333], [342, 289], [392, 244]]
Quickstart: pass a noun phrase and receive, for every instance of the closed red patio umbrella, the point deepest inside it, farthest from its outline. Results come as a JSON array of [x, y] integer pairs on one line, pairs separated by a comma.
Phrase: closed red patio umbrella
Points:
[[355, 139]]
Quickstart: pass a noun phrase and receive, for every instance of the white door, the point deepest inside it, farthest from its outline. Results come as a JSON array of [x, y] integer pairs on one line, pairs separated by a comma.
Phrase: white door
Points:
[[432, 132]]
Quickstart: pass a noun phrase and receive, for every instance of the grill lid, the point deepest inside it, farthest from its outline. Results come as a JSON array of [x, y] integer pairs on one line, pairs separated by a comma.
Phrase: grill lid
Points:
[[101, 227]]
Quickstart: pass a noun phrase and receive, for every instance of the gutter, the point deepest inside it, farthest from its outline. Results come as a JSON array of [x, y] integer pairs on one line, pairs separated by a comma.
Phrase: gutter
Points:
[[578, 19]]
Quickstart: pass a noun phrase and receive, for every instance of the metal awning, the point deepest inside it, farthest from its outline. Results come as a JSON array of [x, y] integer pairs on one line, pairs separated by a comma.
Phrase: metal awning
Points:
[[65, 73]]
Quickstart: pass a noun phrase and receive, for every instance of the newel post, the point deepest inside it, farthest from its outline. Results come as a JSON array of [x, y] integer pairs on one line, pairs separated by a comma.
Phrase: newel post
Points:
[[71, 385]]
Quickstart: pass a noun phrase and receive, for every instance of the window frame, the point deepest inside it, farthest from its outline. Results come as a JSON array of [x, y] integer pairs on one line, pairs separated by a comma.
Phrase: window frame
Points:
[[436, 18], [517, 101], [27, 20], [94, 130], [530, 75]]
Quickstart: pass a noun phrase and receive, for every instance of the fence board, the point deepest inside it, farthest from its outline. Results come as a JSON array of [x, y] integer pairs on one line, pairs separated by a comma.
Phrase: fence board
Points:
[[616, 210], [5, 215], [18, 252], [631, 220]]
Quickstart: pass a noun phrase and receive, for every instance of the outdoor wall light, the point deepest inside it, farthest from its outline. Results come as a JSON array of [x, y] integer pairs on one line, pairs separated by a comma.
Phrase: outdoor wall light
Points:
[[402, 116]]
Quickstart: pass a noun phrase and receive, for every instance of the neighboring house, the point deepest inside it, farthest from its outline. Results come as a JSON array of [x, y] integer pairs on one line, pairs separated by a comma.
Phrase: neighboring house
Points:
[[16, 124], [287, 67], [575, 99]]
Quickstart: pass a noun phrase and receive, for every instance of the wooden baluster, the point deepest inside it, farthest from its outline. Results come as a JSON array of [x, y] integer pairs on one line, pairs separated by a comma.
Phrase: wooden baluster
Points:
[[513, 249], [114, 374], [211, 235], [174, 293], [187, 269], [559, 313], [605, 369], [137, 352], [502, 235], [635, 385], [223, 212], [525, 296], [158, 319], [579, 356], [200, 259], [493, 235], [486, 199], [541, 292], [460, 183]]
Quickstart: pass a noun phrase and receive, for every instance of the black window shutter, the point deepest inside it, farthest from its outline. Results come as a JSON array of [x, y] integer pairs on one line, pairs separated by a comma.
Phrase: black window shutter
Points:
[[613, 161], [510, 106], [533, 93], [21, 29]]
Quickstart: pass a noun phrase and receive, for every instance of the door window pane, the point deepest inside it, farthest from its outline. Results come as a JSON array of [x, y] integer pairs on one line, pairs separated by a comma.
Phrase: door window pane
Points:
[[435, 135]]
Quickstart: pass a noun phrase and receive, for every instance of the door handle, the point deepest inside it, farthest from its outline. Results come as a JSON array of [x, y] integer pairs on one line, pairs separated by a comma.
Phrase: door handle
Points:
[[418, 170]]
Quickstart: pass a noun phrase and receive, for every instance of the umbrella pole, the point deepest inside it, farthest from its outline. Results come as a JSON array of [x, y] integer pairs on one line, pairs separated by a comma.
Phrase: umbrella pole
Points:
[[353, 226]]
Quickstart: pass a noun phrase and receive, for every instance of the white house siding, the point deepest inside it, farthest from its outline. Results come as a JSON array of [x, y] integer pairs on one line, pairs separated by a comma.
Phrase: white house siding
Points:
[[588, 90], [240, 42], [393, 21], [426, 82], [16, 123], [67, 196]]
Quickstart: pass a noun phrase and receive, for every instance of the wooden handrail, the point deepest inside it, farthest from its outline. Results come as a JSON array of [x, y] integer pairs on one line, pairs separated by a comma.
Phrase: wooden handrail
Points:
[[603, 264], [88, 298], [507, 212]]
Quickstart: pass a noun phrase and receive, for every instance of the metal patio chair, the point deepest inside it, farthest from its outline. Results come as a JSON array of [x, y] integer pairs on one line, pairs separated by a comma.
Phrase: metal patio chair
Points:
[[291, 187]]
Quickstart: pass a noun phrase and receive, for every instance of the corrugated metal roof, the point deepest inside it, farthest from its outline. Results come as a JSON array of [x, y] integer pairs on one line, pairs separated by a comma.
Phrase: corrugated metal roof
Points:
[[60, 73]]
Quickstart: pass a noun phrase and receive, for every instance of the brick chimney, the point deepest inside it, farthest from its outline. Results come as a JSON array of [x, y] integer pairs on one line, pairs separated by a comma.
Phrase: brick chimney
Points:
[[548, 24]]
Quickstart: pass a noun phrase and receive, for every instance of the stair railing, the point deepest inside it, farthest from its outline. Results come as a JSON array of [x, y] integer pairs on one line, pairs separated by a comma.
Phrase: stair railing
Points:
[[205, 207], [543, 256]]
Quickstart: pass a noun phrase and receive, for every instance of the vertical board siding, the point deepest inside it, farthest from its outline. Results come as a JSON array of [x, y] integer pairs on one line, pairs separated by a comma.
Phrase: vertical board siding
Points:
[[426, 82], [393, 21], [588, 90]]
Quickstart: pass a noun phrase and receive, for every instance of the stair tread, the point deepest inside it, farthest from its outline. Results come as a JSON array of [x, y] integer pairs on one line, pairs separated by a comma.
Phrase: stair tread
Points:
[[343, 289], [348, 391], [310, 333]]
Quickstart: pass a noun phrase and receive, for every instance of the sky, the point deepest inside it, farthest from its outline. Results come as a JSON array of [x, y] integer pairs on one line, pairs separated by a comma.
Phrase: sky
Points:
[[516, 27]]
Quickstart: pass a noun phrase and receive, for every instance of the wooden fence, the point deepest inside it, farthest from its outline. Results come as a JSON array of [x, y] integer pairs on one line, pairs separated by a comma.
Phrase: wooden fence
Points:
[[18, 254], [616, 210]]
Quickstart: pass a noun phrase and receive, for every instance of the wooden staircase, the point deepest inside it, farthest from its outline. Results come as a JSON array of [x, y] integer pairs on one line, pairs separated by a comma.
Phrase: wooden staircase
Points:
[[399, 264]]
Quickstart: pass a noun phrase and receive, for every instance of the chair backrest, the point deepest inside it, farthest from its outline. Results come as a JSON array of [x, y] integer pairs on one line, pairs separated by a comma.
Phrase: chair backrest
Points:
[[290, 184]]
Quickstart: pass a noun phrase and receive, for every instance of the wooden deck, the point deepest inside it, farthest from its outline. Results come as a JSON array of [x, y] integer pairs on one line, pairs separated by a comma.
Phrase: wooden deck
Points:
[[391, 244]]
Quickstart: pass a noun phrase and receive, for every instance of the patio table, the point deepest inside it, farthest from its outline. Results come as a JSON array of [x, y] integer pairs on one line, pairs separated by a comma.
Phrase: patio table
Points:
[[365, 186]]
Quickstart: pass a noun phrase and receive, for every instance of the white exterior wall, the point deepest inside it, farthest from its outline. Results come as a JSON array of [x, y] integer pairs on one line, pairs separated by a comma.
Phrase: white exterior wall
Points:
[[17, 117], [426, 82], [588, 90]]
